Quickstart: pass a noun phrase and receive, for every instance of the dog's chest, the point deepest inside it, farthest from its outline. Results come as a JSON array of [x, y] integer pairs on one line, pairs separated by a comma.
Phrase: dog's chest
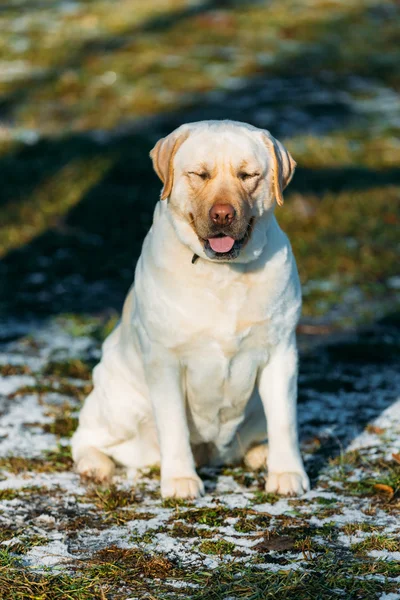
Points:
[[233, 314], [218, 384], [222, 365]]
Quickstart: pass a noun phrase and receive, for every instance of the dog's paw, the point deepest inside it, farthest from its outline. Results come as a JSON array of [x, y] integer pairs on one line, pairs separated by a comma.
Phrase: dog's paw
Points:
[[256, 457], [182, 487], [287, 484], [95, 465]]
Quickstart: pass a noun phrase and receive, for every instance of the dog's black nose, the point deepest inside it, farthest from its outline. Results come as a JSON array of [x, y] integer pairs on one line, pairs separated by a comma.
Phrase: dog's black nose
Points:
[[222, 214]]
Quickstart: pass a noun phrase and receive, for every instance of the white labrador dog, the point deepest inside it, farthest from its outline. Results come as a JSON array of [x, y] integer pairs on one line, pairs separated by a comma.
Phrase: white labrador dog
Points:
[[206, 345]]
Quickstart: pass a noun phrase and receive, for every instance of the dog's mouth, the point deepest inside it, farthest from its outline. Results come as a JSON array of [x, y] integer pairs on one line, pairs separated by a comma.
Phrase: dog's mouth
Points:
[[222, 246]]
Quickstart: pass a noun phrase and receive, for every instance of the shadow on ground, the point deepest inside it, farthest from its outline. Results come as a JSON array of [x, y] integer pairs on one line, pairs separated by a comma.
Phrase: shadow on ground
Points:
[[345, 384]]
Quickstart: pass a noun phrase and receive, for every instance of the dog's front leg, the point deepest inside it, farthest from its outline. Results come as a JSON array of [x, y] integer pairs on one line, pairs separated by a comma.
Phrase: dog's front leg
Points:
[[178, 474], [278, 391]]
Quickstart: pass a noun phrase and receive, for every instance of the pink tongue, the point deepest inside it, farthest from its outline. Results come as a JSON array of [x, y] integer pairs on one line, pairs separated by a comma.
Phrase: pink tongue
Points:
[[221, 244]]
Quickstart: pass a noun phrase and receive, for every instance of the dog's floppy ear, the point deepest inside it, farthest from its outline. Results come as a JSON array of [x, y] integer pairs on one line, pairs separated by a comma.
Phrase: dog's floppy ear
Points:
[[282, 163], [162, 156]]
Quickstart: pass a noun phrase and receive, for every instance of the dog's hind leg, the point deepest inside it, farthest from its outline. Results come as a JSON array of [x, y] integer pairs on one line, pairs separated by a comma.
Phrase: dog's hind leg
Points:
[[95, 464], [256, 457], [89, 444], [116, 423], [250, 442], [99, 443]]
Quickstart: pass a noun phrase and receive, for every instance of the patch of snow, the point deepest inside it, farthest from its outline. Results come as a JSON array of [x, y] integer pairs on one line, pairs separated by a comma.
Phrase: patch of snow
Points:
[[354, 538], [182, 584], [141, 526], [347, 515], [9, 385], [394, 282], [274, 568], [20, 440], [237, 500], [206, 501], [281, 507], [45, 520], [385, 555], [242, 542], [69, 482], [162, 543], [226, 484], [50, 555], [321, 493]]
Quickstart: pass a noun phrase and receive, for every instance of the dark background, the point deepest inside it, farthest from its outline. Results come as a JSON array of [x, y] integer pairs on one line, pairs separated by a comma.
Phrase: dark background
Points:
[[86, 88]]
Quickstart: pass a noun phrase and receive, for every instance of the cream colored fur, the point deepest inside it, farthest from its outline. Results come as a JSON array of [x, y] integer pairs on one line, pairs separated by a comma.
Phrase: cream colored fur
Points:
[[204, 351]]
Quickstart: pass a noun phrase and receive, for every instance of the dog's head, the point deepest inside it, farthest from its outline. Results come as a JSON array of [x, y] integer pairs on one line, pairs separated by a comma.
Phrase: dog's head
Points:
[[220, 179]]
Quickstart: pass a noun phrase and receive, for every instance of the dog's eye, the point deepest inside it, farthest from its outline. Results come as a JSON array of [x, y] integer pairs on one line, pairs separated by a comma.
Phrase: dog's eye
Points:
[[203, 175], [245, 176]]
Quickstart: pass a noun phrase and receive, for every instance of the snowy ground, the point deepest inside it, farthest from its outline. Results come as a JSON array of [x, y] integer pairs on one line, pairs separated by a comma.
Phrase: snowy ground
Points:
[[339, 540]]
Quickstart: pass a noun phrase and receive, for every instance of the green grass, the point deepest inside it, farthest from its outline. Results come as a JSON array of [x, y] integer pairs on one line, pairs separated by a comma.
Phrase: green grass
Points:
[[85, 61], [378, 478], [21, 493], [10, 370], [97, 327], [219, 547], [111, 498], [53, 385], [73, 368], [377, 542], [52, 461], [354, 528], [113, 568], [62, 426]]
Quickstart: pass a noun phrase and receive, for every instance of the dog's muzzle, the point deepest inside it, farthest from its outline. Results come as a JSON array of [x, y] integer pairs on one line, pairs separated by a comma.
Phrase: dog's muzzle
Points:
[[226, 247]]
